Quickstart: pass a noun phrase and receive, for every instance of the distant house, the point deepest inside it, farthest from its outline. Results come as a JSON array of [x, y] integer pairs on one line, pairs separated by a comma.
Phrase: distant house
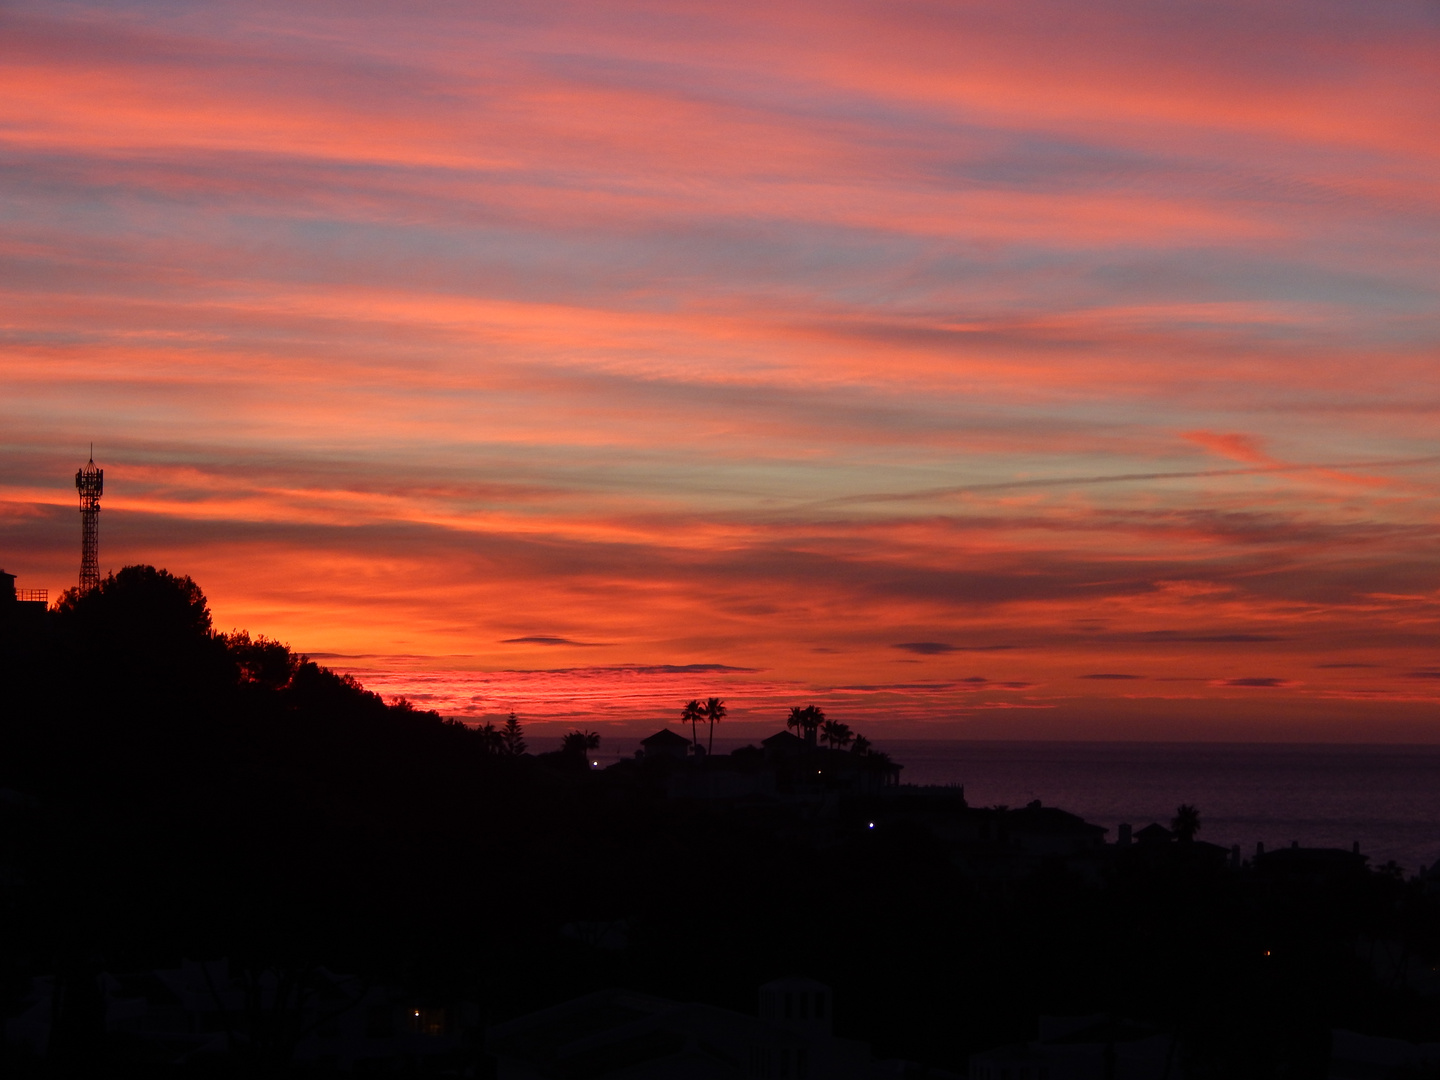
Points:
[[1313, 865], [1081, 1048], [194, 1015], [20, 609], [782, 744], [784, 767], [800, 764], [1356, 1055], [1048, 830], [664, 745], [620, 1035], [1154, 834]]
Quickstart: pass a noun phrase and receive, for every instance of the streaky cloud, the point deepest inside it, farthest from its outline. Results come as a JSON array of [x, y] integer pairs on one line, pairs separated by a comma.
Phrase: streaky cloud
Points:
[[543, 640]]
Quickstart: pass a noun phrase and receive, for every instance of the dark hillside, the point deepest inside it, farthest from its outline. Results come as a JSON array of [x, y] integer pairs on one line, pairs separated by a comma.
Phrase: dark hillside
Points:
[[175, 792]]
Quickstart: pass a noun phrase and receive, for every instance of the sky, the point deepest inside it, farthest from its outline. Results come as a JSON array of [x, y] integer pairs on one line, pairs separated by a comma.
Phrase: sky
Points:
[[970, 369]]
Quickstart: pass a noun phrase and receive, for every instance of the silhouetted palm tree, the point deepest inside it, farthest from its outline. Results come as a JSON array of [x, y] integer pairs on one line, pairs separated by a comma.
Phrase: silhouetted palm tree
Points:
[[714, 710], [796, 719], [836, 734], [1186, 822], [580, 743], [492, 739], [814, 717], [861, 745], [693, 713]]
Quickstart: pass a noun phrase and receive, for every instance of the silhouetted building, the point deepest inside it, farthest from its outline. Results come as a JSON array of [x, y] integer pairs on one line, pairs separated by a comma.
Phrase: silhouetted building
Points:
[[782, 744], [1364, 1057], [1048, 830], [1081, 1048], [202, 1012], [20, 609], [785, 767], [1313, 865], [664, 745], [800, 765], [620, 1035], [1154, 834]]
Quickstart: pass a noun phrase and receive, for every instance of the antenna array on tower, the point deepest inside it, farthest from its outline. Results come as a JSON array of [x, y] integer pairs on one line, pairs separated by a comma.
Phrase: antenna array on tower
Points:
[[90, 482]]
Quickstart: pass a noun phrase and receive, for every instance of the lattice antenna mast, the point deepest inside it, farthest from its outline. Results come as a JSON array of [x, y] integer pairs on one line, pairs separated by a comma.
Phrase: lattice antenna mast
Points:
[[90, 482]]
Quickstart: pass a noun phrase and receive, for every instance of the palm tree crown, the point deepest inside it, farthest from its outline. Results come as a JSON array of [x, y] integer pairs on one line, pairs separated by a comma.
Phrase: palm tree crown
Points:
[[836, 734], [796, 719], [1186, 822], [714, 710], [692, 714], [492, 739], [580, 743], [814, 720]]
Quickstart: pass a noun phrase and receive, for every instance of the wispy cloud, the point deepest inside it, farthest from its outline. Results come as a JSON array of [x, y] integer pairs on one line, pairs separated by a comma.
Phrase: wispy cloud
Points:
[[766, 337], [939, 648], [543, 640]]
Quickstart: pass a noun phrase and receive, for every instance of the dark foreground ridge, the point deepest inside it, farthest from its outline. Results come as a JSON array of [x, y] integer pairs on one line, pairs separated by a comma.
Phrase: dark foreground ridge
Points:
[[222, 859]]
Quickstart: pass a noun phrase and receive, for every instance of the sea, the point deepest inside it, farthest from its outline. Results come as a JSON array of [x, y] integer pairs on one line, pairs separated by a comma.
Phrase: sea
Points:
[[1385, 797]]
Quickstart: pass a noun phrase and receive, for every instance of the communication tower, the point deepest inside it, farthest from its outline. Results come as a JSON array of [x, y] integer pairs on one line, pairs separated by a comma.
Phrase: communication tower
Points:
[[90, 482]]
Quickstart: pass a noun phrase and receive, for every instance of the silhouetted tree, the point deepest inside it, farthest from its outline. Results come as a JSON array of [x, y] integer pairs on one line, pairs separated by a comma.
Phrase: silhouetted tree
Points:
[[861, 745], [262, 661], [796, 720], [146, 628], [808, 720], [580, 743], [714, 710], [141, 602], [836, 734], [693, 713], [512, 736], [492, 739], [1186, 822]]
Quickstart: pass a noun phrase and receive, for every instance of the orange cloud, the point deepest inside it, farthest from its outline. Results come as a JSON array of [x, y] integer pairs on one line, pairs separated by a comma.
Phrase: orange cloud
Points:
[[750, 342], [1231, 445]]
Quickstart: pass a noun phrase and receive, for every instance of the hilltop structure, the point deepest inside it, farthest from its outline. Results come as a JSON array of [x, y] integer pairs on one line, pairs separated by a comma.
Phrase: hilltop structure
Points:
[[21, 610], [90, 483]]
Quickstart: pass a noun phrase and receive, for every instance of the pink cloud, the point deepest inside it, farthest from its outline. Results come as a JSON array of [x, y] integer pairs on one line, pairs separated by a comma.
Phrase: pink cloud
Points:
[[762, 337]]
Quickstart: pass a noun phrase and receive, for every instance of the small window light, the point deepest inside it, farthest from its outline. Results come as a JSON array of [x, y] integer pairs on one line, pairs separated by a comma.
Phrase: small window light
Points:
[[872, 824]]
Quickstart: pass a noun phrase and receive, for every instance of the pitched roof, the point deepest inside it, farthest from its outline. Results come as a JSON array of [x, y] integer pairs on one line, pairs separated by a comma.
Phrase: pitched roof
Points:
[[781, 738], [665, 737]]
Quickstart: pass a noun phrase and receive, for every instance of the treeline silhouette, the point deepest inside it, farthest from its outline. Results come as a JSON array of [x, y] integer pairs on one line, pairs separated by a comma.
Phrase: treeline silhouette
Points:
[[176, 791]]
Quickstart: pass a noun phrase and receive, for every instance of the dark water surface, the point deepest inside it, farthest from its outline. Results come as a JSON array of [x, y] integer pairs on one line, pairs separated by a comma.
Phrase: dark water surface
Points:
[[1323, 795], [1386, 797]]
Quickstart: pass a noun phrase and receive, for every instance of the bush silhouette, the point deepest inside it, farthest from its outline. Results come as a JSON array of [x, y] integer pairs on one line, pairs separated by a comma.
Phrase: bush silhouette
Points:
[[146, 629]]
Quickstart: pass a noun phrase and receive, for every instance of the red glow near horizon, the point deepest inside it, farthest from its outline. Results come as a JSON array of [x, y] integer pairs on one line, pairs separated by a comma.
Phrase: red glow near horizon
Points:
[[992, 369]]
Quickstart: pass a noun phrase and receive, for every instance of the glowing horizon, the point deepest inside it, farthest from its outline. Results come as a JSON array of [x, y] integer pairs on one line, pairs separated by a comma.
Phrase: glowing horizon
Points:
[[982, 369]]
